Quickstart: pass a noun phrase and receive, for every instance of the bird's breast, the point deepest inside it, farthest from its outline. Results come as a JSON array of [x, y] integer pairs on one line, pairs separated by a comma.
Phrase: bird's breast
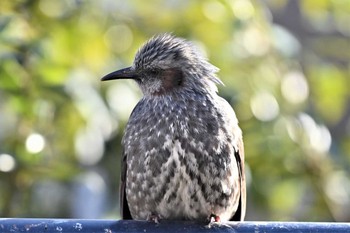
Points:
[[179, 165]]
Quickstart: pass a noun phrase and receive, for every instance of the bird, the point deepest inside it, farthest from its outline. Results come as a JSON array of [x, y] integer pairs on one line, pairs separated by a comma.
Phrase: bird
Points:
[[183, 154]]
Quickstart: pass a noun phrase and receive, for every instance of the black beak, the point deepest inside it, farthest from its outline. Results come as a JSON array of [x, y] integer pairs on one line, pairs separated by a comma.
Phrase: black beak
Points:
[[126, 73]]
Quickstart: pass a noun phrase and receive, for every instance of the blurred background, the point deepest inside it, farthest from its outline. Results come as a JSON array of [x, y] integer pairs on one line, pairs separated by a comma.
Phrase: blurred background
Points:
[[286, 69]]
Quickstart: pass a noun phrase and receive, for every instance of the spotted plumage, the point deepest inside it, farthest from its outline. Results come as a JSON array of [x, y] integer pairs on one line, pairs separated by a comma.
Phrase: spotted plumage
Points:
[[183, 152]]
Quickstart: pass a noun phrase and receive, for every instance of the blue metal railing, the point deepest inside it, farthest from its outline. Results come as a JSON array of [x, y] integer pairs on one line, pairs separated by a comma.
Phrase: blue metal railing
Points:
[[109, 226]]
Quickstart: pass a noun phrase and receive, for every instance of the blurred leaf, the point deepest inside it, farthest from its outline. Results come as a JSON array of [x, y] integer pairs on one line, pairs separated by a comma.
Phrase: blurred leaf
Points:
[[330, 87]]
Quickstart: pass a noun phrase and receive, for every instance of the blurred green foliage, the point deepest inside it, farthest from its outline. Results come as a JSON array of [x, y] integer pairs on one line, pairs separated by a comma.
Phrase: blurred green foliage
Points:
[[285, 65]]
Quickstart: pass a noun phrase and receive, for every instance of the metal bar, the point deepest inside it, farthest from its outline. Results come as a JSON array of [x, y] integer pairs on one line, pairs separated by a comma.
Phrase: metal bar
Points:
[[109, 226]]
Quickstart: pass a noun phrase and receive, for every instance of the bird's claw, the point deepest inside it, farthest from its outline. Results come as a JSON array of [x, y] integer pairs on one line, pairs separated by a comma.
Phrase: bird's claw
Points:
[[154, 218], [213, 220]]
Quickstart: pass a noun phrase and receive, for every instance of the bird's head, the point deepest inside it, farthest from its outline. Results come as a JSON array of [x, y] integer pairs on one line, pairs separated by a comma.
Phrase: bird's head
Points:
[[167, 64]]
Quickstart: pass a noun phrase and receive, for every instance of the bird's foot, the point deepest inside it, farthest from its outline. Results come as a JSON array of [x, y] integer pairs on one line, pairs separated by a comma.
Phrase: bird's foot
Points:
[[154, 218], [213, 220]]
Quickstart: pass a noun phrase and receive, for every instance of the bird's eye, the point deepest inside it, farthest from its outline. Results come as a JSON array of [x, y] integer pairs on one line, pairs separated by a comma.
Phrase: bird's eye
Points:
[[154, 72]]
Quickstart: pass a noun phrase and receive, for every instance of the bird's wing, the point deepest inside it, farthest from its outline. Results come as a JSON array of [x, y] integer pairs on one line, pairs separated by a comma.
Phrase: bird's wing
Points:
[[123, 203], [239, 155]]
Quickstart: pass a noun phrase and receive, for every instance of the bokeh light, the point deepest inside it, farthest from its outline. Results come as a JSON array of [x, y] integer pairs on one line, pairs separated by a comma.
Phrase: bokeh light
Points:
[[243, 9], [318, 136], [89, 146], [215, 11], [7, 163], [122, 98], [294, 87], [255, 41], [35, 143], [119, 38], [264, 106]]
